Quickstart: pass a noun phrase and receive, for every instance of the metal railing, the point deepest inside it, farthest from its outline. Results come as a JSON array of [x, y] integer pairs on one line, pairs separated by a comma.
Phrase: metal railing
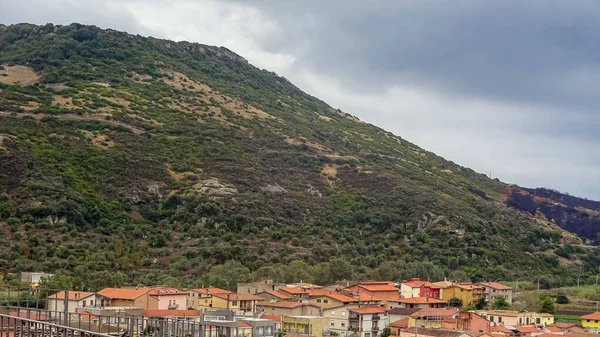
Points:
[[14, 326]]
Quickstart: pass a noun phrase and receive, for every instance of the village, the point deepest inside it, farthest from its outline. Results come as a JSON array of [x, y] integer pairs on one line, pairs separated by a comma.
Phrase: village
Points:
[[345, 309]]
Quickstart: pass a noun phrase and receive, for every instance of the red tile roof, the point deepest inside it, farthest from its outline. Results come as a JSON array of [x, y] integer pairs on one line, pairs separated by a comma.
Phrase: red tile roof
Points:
[[277, 294], [594, 316], [377, 286], [73, 295], [500, 328], [122, 293], [318, 292], [401, 323], [468, 286], [368, 310], [244, 325], [553, 329], [421, 300], [293, 291], [164, 313], [275, 318], [339, 297], [526, 328], [495, 285], [414, 283]]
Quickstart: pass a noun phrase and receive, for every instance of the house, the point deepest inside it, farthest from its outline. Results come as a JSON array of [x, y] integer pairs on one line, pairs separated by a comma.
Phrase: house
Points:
[[123, 297], [202, 298], [591, 321], [493, 290], [240, 302], [297, 294], [305, 325], [467, 321], [468, 293], [411, 288], [331, 299], [424, 332], [75, 299], [566, 327], [373, 290], [262, 327], [257, 287], [514, 318], [287, 308], [367, 321], [399, 325], [422, 302], [431, 318], [169, 298], [272, 295], [338, 319]]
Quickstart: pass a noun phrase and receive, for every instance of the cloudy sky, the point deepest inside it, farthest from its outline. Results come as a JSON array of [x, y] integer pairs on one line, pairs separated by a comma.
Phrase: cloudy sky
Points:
[[496, 85]]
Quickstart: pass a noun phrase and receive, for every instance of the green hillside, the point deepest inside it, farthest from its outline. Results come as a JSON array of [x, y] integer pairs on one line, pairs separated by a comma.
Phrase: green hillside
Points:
[[126, 159]]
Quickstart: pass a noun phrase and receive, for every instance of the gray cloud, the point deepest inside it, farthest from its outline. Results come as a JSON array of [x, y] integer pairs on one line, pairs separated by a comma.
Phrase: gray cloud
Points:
[[507, 86]]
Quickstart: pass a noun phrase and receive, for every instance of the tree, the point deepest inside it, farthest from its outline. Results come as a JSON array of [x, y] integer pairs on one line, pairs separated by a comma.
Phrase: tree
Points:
[[562, 299], [481, 304], [386, 332], [547, 305], [500, 304], [455, 302]]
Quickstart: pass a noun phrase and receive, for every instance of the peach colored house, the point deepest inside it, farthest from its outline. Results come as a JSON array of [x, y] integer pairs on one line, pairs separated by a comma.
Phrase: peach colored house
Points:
[[121, 297], [169, 298], [373, 290], [467, 321]]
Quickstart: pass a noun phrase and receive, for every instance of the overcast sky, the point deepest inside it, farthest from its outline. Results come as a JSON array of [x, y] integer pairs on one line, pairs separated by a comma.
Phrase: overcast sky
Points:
[[503, 86]]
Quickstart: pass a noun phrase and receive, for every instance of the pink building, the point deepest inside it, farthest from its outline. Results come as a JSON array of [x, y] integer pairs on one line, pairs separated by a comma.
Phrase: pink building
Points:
[[169, 298]]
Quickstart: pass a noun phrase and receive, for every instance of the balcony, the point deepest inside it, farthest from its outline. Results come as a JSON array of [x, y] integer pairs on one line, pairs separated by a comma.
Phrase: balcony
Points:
[[375, 317], [173, 306]]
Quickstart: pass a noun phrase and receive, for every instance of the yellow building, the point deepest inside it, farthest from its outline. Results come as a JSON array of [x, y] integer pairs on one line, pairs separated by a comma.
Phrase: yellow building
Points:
[[305, 325], [467, 292], [215, 298], [591, 321]]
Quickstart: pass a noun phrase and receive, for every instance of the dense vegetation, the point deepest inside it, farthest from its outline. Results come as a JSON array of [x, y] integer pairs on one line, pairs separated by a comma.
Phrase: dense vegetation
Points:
[[133, 160]]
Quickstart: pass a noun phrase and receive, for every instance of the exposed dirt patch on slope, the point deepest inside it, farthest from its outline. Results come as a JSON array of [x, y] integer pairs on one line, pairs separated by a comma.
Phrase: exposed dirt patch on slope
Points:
[[18, 74]]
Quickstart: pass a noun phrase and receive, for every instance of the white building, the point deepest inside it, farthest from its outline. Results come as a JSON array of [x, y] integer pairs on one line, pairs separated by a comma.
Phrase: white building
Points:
[[411, 288], [76, 299], [367, 321], [34, 277]]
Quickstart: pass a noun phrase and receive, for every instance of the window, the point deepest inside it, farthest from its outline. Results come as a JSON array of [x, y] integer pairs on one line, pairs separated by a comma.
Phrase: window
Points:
[[343, 325], [234, 303], [325, 301], [537, 320], [84, 304], [92, 302], [367, 334], [318, 301], [588, 320], [332, 323], [499, 319], [491, 318]]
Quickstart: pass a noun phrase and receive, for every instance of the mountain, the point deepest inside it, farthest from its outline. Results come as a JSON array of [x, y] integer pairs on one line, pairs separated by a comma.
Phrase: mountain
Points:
[[127, 159]]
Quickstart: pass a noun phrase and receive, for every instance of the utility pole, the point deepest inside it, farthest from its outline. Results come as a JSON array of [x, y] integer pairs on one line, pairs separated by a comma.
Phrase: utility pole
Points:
[[66, 308]]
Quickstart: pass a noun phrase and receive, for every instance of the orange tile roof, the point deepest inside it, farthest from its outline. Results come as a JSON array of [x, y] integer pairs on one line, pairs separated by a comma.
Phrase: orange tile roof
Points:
[[553, 329], [468, 286], [562, 325], [441, 284], [278, 294], [122, 293], [495, 285], [377, 286], [339, 297], [368, 310], [239, 297], [275, 318], [163, 313], [293, 291], [401, 323], [318, 292], [421, 300], [594, 316], [73, 295], [211, 290], [368, 298], [281, 304], [526, 328], [244, 325]]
